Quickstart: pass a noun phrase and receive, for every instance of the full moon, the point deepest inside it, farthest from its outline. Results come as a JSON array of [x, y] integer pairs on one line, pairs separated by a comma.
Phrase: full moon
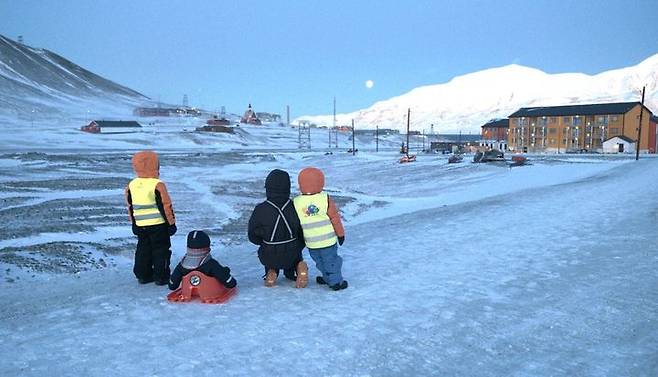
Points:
[[370, 84]]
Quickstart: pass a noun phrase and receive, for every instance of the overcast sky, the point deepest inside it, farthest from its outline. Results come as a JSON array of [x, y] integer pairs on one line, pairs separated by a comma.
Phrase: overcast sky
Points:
[[303, 53]]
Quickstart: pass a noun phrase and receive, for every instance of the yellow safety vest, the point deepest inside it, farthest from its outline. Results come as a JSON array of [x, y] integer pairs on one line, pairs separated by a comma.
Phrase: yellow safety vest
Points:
[[312, 212], [145, 209]]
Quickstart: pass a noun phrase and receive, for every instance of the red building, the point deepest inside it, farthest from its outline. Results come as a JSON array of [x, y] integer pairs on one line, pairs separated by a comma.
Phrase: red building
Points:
[[494, 134], [250, 117], [111, 127]]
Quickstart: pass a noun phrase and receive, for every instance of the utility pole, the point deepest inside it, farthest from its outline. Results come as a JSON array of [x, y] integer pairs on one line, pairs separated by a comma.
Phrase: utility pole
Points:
[[408, 117], [423, 140], [377, 139], [639, 128], [353, 137], [288, 116], [334, 111], [335, 130]]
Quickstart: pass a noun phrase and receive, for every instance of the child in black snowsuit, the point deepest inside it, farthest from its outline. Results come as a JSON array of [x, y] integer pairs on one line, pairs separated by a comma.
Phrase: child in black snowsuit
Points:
[[274, 226], [198, 258], [153, 220]]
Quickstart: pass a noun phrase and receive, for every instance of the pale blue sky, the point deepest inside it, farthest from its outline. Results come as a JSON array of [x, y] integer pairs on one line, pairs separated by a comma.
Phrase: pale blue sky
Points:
[[302, 53]]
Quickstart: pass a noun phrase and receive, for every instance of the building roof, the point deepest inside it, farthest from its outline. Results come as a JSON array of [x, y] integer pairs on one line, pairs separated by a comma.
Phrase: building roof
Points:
[[654, 118], [497, 123], [625, 138], [117, 123], [592, 109]]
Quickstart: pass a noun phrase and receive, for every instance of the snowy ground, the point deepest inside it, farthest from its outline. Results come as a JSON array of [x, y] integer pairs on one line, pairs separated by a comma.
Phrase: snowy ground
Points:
[[454, 269]]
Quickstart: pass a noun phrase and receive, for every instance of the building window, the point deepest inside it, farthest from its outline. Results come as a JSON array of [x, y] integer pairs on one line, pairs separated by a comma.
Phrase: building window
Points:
[[577, 121], [566, 120], [602, 119], [552, 131], [614, 118]]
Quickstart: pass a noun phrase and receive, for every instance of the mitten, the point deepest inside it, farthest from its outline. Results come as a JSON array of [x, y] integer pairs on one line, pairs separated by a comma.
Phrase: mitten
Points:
[[135, 230], [341, 240], [172, 229]]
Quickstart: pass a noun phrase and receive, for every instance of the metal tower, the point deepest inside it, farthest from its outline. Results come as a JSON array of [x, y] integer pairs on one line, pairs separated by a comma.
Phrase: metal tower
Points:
[[304, 131]]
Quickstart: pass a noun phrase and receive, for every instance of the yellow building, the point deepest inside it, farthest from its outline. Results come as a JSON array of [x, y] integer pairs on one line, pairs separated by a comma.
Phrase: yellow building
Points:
[[577, 127]]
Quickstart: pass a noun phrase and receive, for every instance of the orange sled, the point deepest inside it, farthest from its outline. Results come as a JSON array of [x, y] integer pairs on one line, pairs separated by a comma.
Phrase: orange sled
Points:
[[206, 288]]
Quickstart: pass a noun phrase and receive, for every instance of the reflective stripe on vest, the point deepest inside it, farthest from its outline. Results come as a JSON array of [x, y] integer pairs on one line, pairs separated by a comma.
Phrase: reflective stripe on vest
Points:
[[312, 212], [276, 224], [145, 209]]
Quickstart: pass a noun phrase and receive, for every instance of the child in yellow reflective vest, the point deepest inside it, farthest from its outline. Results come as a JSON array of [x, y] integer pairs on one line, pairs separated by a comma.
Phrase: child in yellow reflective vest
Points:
[[153, 220], [322, 227]]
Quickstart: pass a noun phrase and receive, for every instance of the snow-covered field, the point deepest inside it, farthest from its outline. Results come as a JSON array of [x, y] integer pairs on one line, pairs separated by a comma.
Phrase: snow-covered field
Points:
[[454, 269]]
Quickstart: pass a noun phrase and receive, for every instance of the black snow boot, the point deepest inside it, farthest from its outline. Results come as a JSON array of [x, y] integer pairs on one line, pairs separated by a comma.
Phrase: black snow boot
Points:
[[320, 280], [339, 286], [145, 281]]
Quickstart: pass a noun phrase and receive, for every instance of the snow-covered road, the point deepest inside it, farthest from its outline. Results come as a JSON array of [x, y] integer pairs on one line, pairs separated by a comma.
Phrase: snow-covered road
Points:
[[555, 278]]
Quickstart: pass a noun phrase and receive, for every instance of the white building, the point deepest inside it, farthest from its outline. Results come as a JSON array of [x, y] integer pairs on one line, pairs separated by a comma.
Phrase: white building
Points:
[[619, 144]]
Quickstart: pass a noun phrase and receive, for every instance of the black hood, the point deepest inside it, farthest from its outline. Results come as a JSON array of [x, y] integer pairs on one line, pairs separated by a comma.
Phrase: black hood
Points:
[[277, 186]]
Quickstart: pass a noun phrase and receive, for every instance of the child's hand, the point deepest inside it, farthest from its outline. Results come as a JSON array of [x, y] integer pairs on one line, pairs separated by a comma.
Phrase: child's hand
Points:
[[135, 230], [341, 240]]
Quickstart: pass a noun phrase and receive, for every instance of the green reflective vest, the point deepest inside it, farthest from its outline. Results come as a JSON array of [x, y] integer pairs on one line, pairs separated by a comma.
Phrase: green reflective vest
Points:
[[312, 212]]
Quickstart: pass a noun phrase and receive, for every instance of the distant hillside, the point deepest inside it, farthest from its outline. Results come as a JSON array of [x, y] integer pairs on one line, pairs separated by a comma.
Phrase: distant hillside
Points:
[[467, 102], [39, 83]]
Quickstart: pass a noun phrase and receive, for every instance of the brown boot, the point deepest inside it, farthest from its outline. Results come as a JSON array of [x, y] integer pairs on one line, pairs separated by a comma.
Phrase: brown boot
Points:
[[270, 278], [302, 275]]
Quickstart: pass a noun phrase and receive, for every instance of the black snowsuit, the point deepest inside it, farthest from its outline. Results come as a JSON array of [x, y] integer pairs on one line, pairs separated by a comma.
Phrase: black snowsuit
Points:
[[210, 267], [280, 247], [153, 252]]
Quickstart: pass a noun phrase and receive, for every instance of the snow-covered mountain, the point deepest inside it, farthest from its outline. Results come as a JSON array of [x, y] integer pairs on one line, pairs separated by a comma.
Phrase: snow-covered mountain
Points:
[[38, 83], [467, 102]]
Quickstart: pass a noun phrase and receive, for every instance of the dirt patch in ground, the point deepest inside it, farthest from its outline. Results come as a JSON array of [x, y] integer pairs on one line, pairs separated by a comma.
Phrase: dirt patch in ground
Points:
[[14, 201], [361, 208], [55, 257], [66, 184], [60, 215]]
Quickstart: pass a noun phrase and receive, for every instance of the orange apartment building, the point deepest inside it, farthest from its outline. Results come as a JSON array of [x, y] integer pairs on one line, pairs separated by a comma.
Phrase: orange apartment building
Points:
[[576, 128]]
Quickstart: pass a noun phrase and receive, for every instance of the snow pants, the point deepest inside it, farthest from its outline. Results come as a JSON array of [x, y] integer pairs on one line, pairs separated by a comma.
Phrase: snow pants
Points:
[[153, 253], [329, 263]]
